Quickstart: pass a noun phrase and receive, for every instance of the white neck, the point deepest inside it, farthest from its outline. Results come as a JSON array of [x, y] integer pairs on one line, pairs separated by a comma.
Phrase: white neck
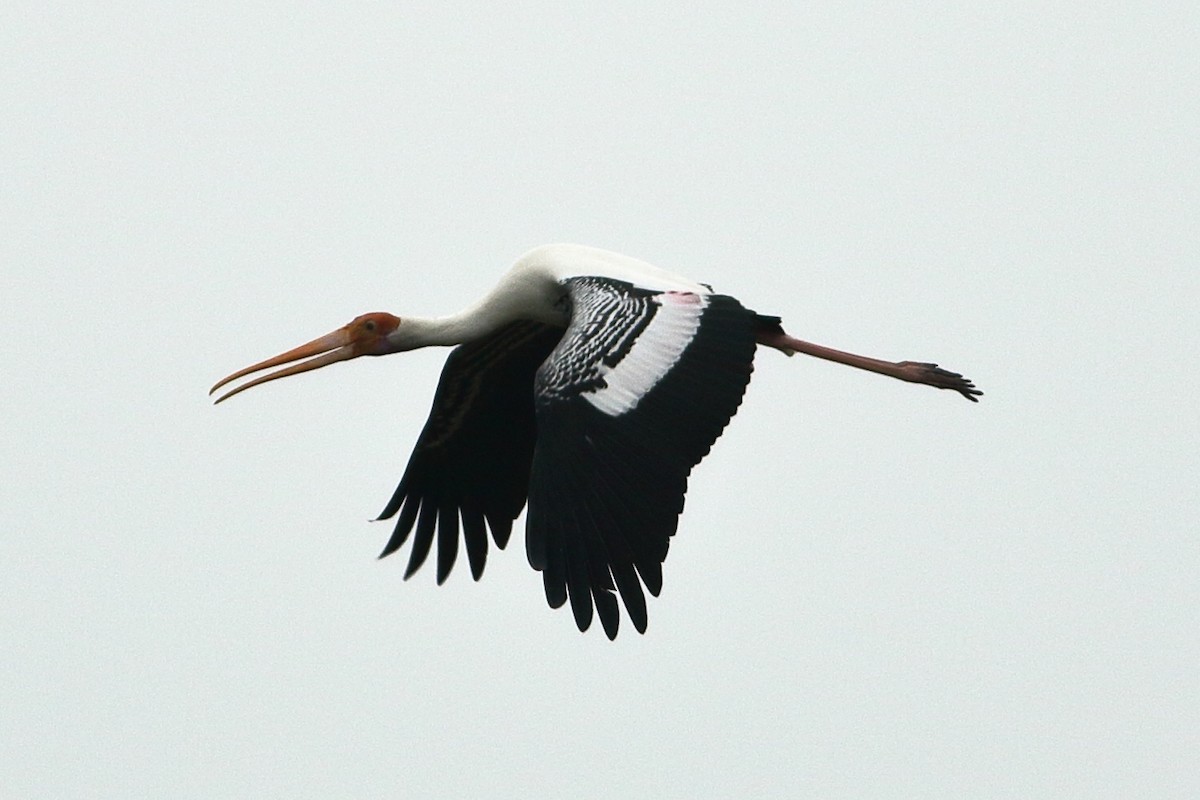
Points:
[[415, 332], [522, 295]]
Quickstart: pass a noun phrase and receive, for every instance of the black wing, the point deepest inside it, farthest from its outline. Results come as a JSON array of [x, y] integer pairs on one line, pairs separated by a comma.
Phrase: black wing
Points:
[[473, 458], [634, 395]]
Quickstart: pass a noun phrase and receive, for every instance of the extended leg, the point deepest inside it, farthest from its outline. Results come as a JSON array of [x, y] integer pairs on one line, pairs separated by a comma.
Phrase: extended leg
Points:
[[911, 371]]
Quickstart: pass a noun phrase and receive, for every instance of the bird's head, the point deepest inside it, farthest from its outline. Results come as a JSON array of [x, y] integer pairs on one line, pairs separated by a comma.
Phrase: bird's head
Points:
[[367, 335]]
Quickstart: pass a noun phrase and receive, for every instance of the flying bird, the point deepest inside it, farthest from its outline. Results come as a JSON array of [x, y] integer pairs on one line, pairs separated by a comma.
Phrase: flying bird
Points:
[[588, 383]]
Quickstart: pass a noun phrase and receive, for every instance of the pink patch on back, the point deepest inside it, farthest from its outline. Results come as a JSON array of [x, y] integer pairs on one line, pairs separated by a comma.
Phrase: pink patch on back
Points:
[[681, 298]]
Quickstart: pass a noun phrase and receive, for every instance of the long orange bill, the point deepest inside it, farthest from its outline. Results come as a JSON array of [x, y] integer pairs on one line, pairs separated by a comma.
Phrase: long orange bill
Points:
[[333, 347]]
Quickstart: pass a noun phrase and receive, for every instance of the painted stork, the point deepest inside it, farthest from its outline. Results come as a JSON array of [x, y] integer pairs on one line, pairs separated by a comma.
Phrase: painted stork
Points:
[[589, 383]]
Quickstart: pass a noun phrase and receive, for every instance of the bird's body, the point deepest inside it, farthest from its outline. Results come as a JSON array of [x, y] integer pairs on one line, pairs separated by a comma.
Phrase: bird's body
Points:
[[589, 383]]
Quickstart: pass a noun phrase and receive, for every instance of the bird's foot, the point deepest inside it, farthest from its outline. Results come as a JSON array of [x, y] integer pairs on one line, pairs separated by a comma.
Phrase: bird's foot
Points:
[[932, 375]]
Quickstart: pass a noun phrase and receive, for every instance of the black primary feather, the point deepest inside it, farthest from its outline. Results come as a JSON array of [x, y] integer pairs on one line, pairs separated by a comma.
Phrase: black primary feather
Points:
[[473, 457]]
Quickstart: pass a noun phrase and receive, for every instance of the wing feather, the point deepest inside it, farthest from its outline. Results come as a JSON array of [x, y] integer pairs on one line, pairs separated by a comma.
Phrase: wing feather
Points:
[[471, 463], [631, 399], [423, 539], [475, 537]]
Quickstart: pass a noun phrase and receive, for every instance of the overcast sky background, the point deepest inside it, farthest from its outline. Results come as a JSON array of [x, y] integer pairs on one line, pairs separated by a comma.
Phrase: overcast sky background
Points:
[[877, 590]]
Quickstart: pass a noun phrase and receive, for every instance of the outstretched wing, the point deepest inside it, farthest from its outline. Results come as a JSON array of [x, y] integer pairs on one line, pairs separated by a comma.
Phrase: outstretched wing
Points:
[[633, 396], [472, 460]]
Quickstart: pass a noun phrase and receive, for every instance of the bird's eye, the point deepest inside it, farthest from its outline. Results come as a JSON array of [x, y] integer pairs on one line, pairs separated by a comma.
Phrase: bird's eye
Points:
[[369, 326]]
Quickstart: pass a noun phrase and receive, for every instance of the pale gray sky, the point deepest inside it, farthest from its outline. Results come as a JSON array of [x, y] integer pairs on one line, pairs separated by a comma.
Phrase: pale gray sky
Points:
[[877, 590]]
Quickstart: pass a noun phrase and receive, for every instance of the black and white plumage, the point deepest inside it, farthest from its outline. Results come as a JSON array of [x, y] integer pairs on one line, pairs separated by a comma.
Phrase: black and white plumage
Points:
[[623, 416], [588, 384]]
